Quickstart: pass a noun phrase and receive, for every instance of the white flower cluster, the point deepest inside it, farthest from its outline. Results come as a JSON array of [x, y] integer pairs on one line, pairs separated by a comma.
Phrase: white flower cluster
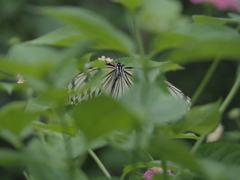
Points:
[[103, 58]]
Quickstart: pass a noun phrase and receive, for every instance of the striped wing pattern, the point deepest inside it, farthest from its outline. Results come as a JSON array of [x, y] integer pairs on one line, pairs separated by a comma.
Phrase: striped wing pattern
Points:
[[115, 81], [177, 93]]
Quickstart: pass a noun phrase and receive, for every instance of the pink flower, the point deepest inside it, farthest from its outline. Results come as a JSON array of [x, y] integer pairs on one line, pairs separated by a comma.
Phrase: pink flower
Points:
[[148, 175], [221, 4]]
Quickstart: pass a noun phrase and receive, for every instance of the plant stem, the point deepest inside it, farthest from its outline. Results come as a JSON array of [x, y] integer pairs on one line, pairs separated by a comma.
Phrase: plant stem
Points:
[[231, 94], [164, 165], [205, 80], [148, 156], [101, 166], [137, 36], [197, 144]]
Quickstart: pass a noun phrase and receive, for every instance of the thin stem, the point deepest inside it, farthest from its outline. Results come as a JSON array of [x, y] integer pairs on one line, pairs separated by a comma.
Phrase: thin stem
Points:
[[164, 165], [197, 144], [205, 80], [137, 36], [230, 95], [148, 156], [100, 164], [26, 175]]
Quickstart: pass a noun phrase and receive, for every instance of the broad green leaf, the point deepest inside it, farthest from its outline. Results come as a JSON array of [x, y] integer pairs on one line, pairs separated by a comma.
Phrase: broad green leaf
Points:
[[39, 104], [100, 116], [208, 31], [221, 21], [71, 130], [65, 36], [155, 105], [47, 161], [170, 66], [96, 27], [13, 117], [130, 4], [225, 152], [174, 151], [9, 156], [200, 119], [171, 40]]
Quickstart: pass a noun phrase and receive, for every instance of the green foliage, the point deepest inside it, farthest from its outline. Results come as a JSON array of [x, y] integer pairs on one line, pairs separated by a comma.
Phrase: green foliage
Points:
[[52, 138]]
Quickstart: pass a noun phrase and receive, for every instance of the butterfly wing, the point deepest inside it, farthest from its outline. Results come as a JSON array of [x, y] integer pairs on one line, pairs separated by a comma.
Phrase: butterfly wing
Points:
[[78, 89], [115, 80], [177, 93]]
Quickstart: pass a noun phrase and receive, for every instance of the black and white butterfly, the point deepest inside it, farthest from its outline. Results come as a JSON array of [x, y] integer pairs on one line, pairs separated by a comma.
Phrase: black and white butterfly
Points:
[[115, 80]]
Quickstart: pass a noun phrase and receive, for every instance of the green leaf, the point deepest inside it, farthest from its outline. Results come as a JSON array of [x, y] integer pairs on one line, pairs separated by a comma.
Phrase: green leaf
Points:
[[215, 171], [9, 87], [227, 153], [9, 156], [100, 116], [187, 136], [174, 151], [221, 21], [96, 27], [39, 104], [13, 117], [207, 50], [132, 5], [170, 66], [47, 161], [65, 36], [71, 130], [158, 107], [208, 31], [171, 40], [200, 119], [11, 138]]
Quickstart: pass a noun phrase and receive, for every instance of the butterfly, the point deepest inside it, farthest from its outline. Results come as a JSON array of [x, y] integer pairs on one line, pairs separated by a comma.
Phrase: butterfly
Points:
[[115, 80]]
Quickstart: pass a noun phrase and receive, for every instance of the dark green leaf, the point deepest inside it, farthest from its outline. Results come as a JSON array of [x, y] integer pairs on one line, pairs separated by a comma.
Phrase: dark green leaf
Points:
[[227, 153], [201, 119], [100, 116]]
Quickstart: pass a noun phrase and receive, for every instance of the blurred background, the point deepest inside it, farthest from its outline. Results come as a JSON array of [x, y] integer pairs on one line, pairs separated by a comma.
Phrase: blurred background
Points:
[[18, 23]]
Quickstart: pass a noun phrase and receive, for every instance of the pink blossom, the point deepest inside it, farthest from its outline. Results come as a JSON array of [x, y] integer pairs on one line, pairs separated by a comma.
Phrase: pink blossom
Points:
[[221, 4], [148, 175]]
